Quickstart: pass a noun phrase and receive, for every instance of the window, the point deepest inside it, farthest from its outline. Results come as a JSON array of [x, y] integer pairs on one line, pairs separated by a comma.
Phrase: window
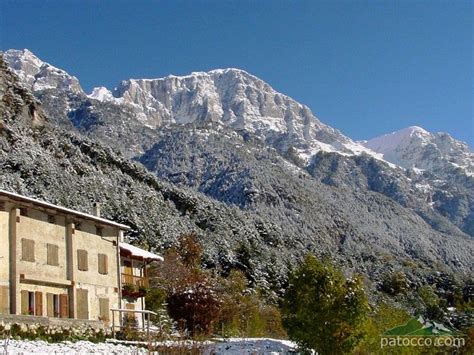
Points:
[[51, 219], [32, 303], [50, 305], [99, 231], [53, 308], [52, 254], [56, 306], [23, 212], [27, 250], [82, 263], [103, 264]]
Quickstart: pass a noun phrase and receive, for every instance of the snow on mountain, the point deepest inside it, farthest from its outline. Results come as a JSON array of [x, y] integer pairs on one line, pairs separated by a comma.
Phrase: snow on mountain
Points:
[[238, 100], [416, 148], [38, 75], [245, 103], [231, 97], [102, 94], [389, 142]]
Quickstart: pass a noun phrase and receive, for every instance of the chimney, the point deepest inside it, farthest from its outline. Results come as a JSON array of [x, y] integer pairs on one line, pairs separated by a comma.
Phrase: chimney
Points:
[[96, 209]]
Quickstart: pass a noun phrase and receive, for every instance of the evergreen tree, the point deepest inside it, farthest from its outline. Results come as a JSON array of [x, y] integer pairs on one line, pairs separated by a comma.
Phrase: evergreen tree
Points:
[[322, 310]]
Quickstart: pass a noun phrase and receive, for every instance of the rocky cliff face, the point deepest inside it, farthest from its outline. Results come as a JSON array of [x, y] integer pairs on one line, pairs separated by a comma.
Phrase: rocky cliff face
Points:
[[232, 97], [38, 75], [256, 183]]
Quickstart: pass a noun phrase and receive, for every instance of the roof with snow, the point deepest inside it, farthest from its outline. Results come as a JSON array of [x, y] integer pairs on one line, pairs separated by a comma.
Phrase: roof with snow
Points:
[[47, 205], [135, 251]]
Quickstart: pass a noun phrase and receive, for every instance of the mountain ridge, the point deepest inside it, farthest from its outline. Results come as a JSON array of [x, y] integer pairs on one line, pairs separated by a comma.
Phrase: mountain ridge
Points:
[[144, 105], [441, 194]]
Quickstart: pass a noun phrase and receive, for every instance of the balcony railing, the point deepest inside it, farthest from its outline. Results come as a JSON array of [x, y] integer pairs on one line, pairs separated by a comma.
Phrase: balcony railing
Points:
[[136, 282]]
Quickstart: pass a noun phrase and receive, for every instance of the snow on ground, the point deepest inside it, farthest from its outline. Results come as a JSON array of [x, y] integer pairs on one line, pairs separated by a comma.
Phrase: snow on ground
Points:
[[219, 347], [240, 346], [67, 347]]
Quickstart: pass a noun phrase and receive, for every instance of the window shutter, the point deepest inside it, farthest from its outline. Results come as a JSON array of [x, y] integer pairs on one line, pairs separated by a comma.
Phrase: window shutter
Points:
[[4, 300], [79, 259], [56, 255], [82, 304], [103, 264], [24, 302], [82, 263], [48, 254], [104, 309], [63, 306], [38, 303], [27, 250], [52, 254], [50, 305]]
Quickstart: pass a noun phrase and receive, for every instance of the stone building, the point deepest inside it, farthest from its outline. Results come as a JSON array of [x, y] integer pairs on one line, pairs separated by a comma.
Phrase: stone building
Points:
[[60, 263]]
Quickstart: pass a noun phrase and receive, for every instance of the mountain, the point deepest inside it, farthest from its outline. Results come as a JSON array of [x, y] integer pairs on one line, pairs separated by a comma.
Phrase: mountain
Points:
[[232, 97], [40, 159], [254, 184], [236, 99], [39, 75], [416, 148], [438, 164], [130, 119]]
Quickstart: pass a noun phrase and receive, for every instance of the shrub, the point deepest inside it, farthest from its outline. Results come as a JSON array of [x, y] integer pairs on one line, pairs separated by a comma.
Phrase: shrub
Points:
[[197, 305], [380, 319], [395, 283], [244, 313], [431, 303]]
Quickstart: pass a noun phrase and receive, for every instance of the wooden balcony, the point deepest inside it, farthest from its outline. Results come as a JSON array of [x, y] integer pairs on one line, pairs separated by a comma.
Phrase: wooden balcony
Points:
[[134, 286], [135, 281]]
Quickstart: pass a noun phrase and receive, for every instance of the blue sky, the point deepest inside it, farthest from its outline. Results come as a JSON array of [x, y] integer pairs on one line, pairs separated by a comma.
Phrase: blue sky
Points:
[[364, 67]]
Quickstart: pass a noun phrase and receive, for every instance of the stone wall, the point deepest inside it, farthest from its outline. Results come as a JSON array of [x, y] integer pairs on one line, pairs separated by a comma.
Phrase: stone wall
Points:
[[51, 329]]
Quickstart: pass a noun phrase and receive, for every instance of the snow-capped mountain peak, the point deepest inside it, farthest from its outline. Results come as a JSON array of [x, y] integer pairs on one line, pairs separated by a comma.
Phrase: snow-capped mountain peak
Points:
[[238, 100], [101, 93], [415, 147], [388, 142], [38, 75]]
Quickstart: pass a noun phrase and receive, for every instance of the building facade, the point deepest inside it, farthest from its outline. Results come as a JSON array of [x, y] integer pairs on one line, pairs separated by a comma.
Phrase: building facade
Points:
[[60, 263]]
